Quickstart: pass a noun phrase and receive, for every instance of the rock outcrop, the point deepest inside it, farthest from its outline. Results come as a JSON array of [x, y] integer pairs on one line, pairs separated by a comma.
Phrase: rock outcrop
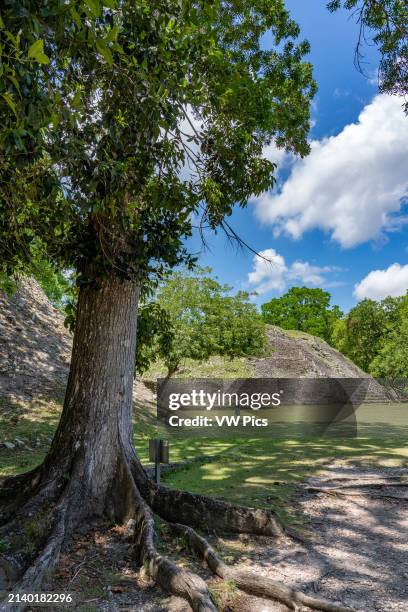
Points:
[[35, 347], [35, 350]]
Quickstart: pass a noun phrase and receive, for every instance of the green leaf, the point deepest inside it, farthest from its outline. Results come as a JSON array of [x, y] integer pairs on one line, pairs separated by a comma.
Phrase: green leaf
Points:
[[76, 17], [36, 48], [13, 79], [36, 52], [76, 100], [117, 47], [9, 100], [109, 3], [94, 7], [112, 34], [104, 51], [55, 119]]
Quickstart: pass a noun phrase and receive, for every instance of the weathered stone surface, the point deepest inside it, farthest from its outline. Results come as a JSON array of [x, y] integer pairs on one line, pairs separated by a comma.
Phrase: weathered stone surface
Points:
[[35, 347], [299, 355]]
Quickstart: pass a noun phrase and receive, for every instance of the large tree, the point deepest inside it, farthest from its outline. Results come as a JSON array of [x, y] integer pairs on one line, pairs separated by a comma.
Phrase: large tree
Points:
[[193, 316], [121, 121], [373, 336], [304, 309]]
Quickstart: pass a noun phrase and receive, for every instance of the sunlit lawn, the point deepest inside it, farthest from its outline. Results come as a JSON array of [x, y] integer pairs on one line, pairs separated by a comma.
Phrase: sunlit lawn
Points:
[[256, 472], [263, 472], [214, 367]]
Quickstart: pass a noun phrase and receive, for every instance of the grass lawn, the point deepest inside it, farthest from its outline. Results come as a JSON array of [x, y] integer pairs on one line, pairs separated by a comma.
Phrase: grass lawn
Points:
[[263, 472], [214, 367], [255, 472]]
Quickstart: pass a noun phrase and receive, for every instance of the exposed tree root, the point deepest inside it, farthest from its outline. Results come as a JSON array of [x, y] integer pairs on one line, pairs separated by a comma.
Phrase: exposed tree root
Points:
[[9, 485], [14, 491], [250, 582], [163, 571], [133, 499], [210, 514], [44, 563]]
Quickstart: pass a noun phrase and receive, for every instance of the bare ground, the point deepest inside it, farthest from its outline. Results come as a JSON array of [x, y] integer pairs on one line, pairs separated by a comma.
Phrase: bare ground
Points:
[[355, 550], [358, 552]]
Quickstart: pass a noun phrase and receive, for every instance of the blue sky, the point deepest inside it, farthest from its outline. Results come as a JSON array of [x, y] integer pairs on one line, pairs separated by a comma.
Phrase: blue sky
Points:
[[337, 218]]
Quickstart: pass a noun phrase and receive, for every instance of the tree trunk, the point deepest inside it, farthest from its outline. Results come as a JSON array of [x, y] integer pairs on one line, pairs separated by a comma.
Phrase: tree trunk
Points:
[[92, 468], [96, 423], [95, 431]]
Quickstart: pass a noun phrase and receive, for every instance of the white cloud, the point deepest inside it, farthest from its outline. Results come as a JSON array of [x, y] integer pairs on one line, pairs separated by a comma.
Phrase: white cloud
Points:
[[379, 284], [190, 126], [307, 273], [271, 273], [280, 157], [351, 185]]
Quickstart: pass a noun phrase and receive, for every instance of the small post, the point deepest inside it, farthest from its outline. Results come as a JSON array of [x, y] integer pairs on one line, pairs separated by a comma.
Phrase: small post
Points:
[[158, 453], [157, 463]]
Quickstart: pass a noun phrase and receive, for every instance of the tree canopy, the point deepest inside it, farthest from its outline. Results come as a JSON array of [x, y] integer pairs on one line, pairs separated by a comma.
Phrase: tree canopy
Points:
[[192, 316], [304, 309], [391, 360], [367, 329], [93, 104]]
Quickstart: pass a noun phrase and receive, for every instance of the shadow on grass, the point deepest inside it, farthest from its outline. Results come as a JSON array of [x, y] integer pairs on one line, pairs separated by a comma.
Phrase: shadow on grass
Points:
[[264, 472], [260, 472], [256, 472], [29, 426]]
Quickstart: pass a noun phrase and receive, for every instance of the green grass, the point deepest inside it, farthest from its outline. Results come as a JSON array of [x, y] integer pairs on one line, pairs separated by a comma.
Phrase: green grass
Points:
[[263, 472], [296, 333], [256, 472], [215, 367], [34, 424]]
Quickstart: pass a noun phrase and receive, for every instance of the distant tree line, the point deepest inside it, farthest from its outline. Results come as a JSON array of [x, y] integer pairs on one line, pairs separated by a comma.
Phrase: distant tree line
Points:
[[374, 334]]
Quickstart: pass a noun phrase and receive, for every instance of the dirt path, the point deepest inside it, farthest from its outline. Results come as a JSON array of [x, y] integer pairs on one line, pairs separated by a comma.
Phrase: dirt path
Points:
[[356, 553], [359, 548]]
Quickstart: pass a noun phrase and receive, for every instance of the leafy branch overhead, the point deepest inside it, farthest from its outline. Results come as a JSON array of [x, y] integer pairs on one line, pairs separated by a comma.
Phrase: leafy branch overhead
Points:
[[385, 22], [94, 100]]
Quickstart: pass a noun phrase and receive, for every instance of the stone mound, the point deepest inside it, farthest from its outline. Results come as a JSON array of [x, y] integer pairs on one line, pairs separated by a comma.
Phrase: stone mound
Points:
[[295, 354], [35, 350], [35, 347]]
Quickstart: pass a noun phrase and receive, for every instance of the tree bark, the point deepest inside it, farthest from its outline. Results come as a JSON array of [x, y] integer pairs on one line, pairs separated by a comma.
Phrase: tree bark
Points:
[[92, 468], [95, 430], [96, 422]]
